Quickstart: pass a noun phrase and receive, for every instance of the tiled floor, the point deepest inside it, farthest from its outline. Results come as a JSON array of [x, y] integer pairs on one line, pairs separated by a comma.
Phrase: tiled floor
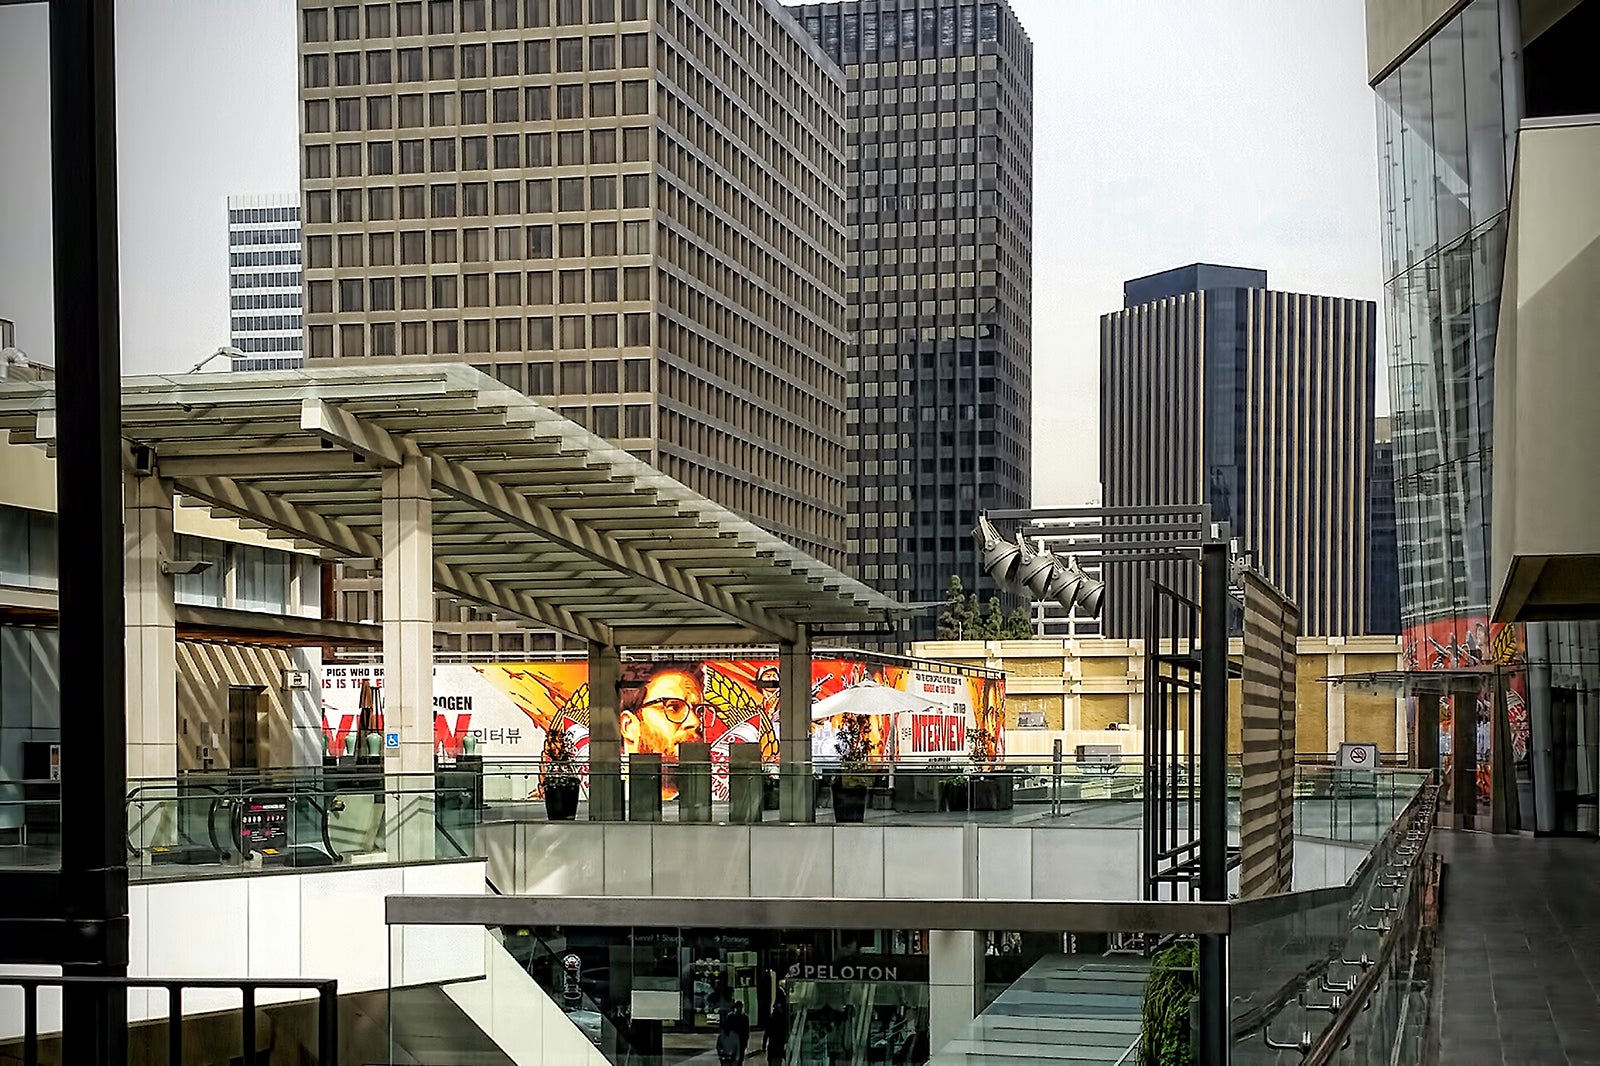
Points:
[[1520, 977]]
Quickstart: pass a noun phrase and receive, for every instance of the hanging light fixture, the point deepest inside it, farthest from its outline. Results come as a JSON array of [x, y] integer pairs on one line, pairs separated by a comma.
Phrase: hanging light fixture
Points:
[[1033, 571], [999, 556], [1043, 575], [1065, 580]]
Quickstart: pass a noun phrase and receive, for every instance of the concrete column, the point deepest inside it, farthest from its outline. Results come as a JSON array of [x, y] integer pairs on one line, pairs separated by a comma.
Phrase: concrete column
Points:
[[1541, 738], [1464, 756], [408, 659], [955, 977], [1335, 668], [151, 635], [796, 798], [605, 735]]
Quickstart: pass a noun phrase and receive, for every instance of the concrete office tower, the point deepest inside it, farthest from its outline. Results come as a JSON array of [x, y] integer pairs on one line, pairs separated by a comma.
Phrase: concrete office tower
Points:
[[633, 209], [264, 281], [941, 264], [1215, 389]]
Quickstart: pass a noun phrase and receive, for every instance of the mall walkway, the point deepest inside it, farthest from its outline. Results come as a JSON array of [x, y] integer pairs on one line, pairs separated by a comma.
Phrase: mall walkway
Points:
[[1520, 966]]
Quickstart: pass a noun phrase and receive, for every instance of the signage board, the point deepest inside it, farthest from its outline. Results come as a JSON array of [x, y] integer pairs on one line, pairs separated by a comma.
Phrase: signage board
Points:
[[1358, 757], [264, 826]]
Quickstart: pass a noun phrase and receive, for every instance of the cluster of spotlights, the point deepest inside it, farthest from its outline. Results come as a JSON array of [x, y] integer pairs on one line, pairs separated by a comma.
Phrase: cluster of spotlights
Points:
[[1044, 575]]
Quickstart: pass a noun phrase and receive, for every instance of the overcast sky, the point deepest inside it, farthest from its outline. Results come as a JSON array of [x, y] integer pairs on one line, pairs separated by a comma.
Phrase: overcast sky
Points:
[[1166, 131]]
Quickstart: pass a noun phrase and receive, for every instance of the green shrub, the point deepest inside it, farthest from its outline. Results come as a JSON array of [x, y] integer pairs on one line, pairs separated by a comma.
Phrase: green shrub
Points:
[[1169, 994]]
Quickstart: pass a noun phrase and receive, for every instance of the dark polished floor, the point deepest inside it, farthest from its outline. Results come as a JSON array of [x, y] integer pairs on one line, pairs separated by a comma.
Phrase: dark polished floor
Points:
[[1520, 938]]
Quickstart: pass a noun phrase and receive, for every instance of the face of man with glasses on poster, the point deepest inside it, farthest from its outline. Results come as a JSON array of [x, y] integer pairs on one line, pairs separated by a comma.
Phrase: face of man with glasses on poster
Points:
[[667, 709]]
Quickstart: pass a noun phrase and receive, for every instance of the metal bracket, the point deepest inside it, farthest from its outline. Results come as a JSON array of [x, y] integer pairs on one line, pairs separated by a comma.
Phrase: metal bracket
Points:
[[1302, 1045]]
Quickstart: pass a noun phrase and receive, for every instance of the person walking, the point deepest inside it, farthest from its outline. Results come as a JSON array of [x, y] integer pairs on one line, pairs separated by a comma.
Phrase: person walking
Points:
[[775, 1037], [734, 1035]]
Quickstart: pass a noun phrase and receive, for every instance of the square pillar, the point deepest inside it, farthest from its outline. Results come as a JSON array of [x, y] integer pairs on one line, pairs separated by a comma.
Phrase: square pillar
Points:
[[796, 796], [955, 976], [1463, 784], [149, 626], [1335, 717], [605, 735], [693, 775], [408, 660]]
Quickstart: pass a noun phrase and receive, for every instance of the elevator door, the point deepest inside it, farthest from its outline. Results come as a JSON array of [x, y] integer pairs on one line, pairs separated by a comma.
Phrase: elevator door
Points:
[[244, 709]]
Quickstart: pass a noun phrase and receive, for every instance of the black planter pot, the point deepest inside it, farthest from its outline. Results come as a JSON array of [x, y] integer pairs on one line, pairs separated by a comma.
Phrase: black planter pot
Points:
[[561, 801], [849, 802], [954, 795], [991, 792]]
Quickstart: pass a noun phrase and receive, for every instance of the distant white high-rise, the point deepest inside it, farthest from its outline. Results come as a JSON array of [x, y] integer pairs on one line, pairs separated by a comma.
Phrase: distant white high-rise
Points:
[[264, 281]]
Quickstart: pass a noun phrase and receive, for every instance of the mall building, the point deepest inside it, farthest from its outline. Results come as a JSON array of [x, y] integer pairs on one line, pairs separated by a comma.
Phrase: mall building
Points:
[[1487, 142], [358, 861]]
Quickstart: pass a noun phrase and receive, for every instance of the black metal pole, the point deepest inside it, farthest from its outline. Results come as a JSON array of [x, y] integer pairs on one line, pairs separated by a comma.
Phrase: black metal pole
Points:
[[1214, 795], [94, 872]]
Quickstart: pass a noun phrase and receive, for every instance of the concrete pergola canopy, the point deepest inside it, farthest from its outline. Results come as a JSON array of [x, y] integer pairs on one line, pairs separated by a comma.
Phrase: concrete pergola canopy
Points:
[[533, 516]]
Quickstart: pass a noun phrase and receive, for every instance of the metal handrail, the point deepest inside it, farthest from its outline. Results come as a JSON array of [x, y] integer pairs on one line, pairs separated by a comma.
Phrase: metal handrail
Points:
[[1333, 1037], [790, 912], [1262, 1016], [327, 990]]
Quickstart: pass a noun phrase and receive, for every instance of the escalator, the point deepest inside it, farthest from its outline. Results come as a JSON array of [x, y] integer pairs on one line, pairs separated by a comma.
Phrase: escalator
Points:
[[559, 973]]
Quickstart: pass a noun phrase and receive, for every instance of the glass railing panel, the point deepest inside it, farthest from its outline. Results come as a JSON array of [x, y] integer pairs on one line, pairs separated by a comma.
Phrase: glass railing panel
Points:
[[30, 824], [1339, 972]]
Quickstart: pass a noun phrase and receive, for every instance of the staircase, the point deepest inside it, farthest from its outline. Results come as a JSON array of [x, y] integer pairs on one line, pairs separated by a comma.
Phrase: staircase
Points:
[[1065, 1009]]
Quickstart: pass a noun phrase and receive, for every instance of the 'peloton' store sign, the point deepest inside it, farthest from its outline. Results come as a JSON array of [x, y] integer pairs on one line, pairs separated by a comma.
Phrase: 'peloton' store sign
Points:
[[861, 969]]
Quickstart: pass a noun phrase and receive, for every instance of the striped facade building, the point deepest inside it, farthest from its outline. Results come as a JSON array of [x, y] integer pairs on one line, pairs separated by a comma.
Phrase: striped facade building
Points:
[[1216, 389]]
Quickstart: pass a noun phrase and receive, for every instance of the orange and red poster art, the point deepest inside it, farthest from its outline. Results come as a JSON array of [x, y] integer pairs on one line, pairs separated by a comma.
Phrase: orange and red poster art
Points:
[[1474, 642], [506, 708]]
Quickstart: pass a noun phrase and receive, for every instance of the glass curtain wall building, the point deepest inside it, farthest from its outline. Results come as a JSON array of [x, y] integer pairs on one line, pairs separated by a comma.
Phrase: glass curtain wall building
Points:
[[1449, 105], [940, 216]]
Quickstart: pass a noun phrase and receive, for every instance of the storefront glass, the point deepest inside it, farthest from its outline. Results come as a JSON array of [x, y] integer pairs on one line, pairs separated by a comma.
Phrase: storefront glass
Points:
[[659, 996]]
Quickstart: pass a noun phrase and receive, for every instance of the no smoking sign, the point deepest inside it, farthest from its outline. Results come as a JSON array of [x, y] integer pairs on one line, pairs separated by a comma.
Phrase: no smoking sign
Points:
[[1358, 756]]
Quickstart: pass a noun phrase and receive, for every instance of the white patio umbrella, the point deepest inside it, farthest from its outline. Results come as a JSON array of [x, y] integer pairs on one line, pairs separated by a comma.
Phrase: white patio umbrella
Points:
[[869, 697]]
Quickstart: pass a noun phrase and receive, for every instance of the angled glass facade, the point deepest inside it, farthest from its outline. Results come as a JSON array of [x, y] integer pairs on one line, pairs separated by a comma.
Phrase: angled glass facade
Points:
[[1442, 174]]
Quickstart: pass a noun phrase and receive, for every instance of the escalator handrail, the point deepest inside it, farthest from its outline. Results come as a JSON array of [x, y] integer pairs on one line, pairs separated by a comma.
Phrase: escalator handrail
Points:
[[626, 1052]]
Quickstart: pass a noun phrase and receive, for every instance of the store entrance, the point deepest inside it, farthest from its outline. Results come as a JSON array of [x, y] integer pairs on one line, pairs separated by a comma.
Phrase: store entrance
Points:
[[662, 997]]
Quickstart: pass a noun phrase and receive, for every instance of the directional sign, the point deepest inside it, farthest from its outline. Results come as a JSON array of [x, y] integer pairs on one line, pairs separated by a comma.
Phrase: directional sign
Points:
[[1358, 756]]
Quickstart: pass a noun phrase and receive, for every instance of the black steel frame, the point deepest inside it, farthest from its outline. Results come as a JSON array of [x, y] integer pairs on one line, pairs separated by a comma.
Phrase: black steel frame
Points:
[[1185, 832], [115, 988], [77, 916], [1171, 779]]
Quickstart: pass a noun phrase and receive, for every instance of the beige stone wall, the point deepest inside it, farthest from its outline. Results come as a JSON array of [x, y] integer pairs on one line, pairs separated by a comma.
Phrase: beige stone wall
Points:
[[1084, 686], [289, 729], [1311, 704]]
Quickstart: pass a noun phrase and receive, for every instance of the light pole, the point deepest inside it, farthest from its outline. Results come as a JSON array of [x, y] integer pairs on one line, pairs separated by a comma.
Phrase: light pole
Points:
[[228, 350]]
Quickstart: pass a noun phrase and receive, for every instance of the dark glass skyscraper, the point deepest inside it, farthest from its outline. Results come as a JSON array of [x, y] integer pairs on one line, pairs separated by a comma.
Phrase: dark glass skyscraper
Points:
[[1215, 389], [1383, 553], [940, 257]]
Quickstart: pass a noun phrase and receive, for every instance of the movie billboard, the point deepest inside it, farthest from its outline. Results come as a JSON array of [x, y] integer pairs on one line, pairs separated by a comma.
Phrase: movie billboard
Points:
[[506, 708]]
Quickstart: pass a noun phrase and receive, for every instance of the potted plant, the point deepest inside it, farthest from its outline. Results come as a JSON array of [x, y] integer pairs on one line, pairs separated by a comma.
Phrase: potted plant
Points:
[[955, 791], [984, 788], [851, 784], [558, 774], [1166, 1028]]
